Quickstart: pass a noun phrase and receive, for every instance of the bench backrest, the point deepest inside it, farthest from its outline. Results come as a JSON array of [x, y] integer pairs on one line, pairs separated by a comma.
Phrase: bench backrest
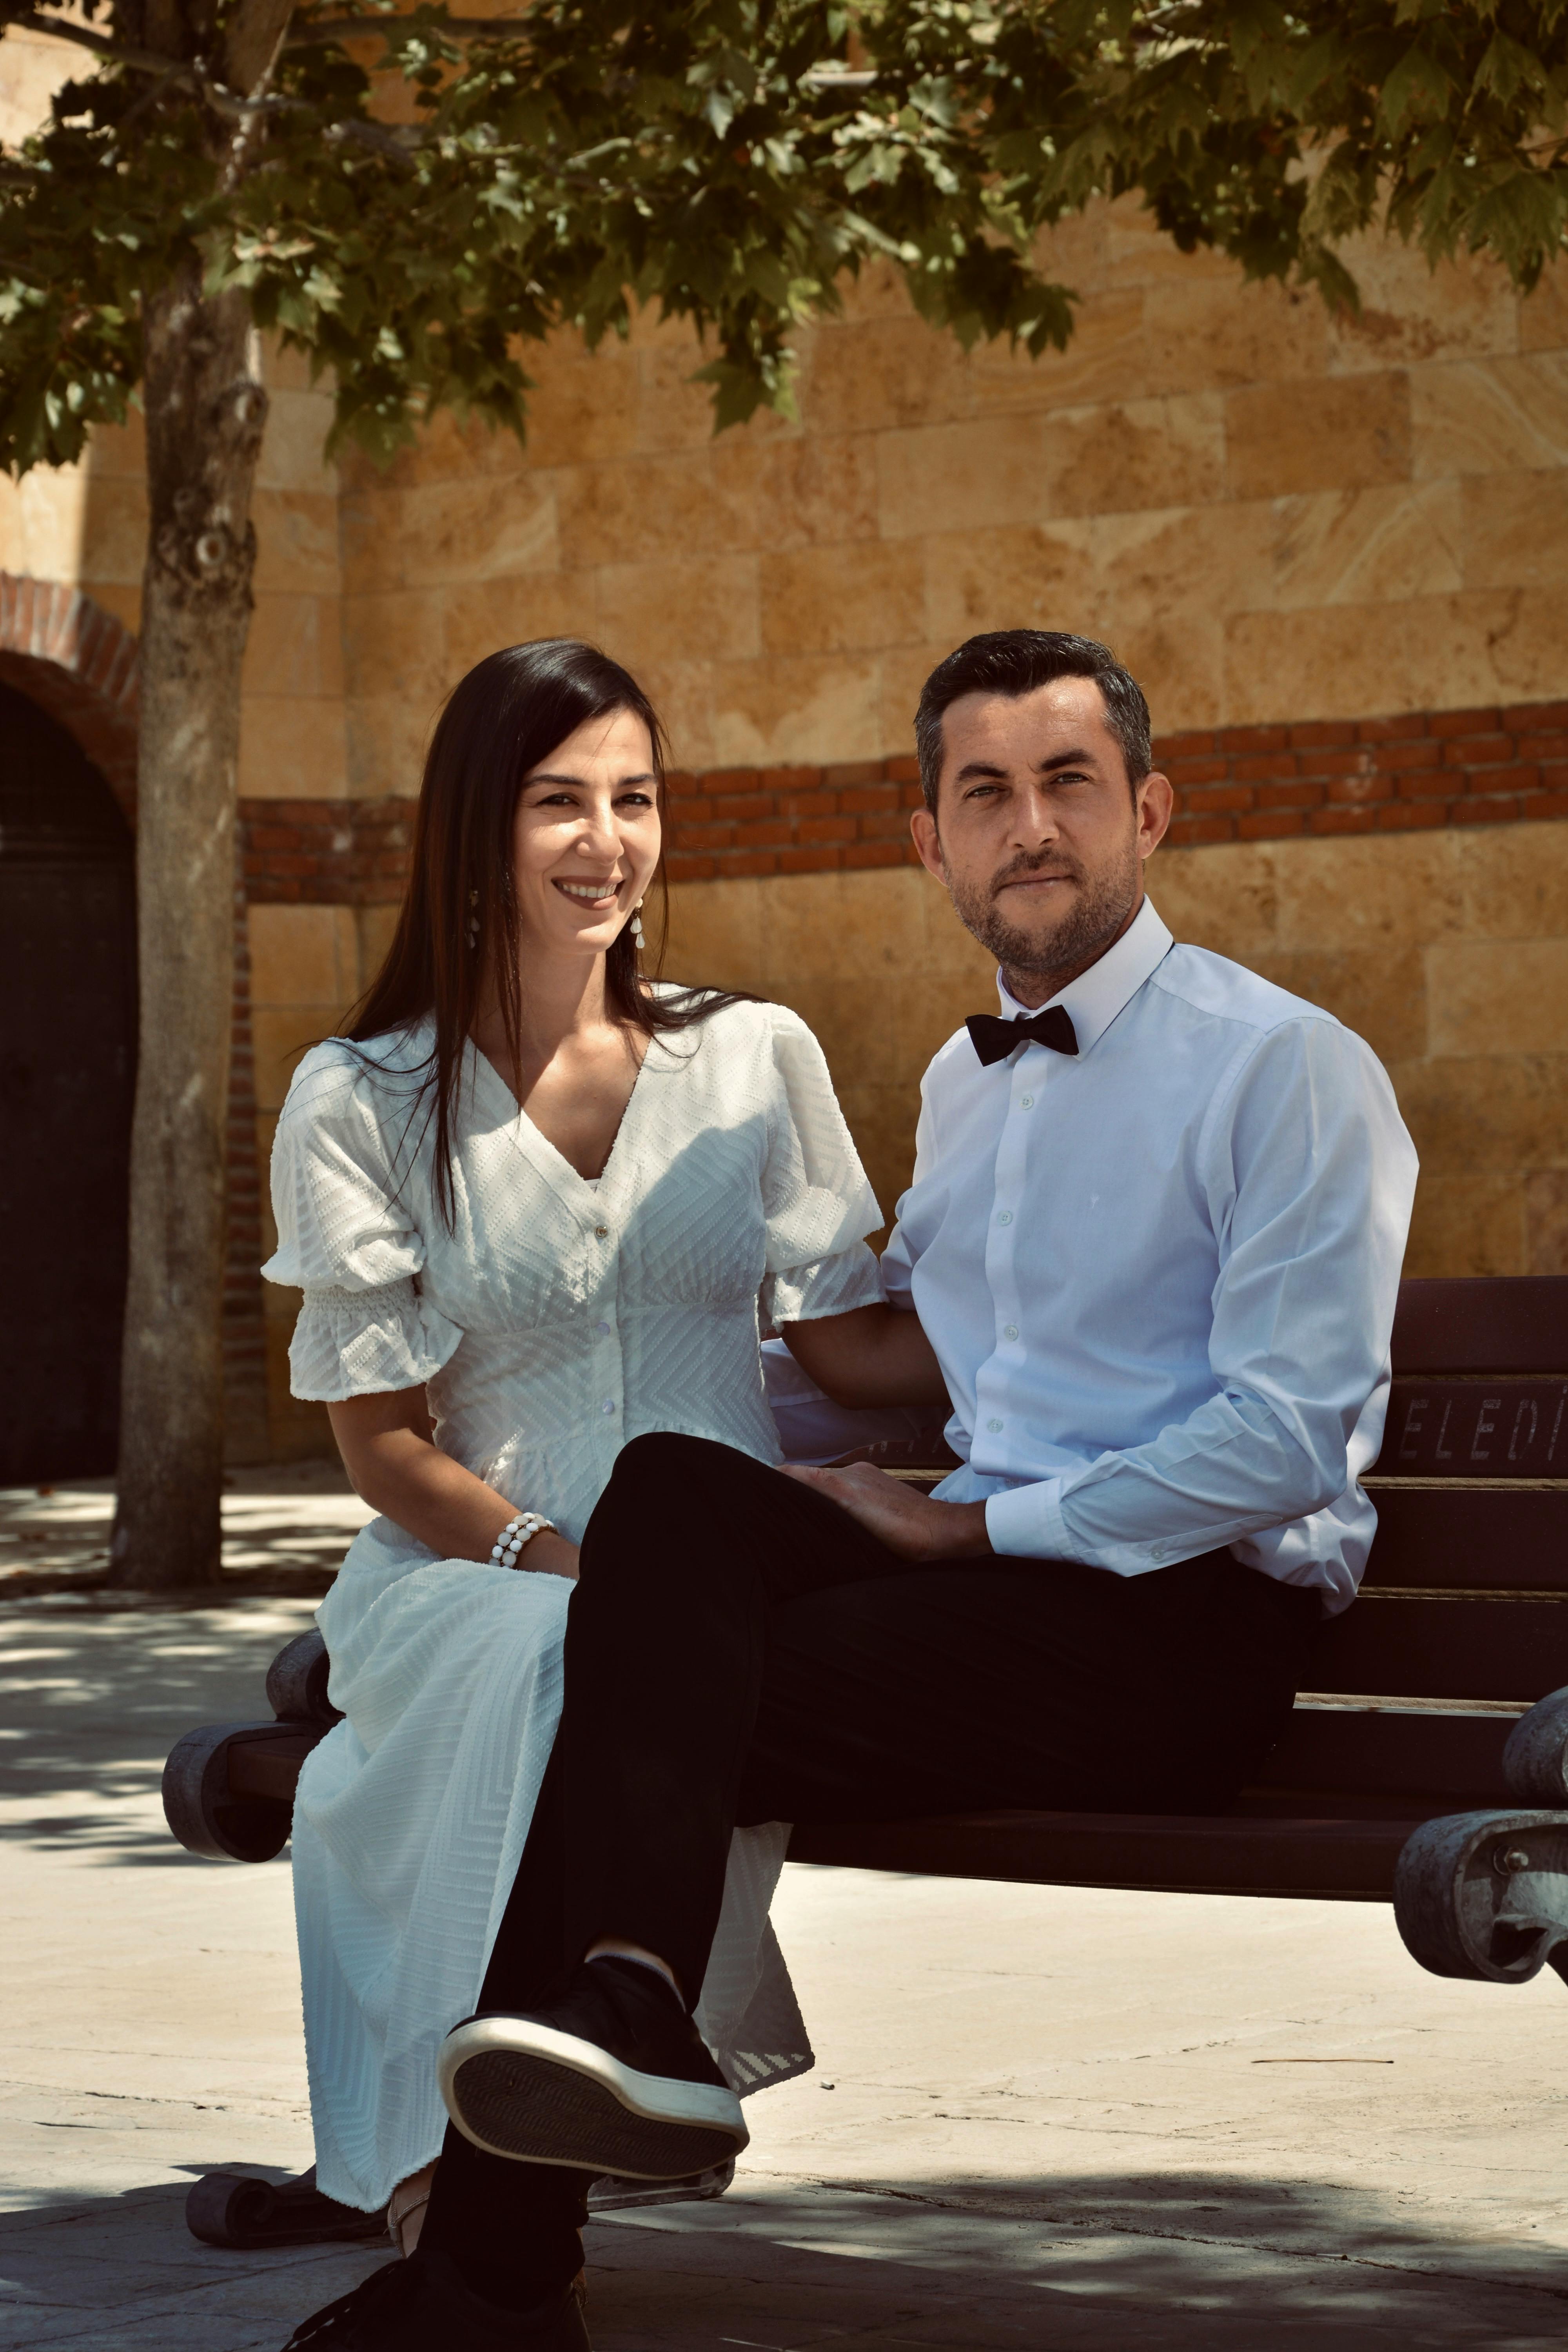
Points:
[[1465, 1596]]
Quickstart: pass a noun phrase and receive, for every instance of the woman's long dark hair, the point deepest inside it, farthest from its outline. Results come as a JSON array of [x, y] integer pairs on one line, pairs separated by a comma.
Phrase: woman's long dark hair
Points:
[[510, 713]]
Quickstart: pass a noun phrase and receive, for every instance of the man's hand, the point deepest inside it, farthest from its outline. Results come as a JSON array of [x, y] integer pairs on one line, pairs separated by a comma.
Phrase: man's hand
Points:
[[908, 1523]]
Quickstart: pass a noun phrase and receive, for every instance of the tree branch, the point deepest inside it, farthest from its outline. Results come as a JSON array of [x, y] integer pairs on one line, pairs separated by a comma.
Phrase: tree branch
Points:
[[359, 28], [244, 110], [64, 28], [376, 137], [255, 37]]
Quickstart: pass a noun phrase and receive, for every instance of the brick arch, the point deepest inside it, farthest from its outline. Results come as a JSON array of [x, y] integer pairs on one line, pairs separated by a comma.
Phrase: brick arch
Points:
[[78, 663]]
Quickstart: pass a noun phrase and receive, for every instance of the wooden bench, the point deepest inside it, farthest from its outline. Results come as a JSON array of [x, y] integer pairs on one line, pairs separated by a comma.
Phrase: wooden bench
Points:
[[1427, 1765]]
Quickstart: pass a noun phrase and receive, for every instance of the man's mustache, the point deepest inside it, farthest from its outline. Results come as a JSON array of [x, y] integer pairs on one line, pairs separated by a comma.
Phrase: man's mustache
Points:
[[1030, 869]]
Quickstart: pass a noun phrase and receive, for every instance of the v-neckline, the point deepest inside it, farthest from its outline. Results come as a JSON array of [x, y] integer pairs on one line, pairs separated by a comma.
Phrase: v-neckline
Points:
[[553, 1161]]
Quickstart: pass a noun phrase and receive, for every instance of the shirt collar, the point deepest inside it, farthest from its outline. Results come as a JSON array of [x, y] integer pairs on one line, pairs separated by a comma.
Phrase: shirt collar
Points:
[[1096, 997]]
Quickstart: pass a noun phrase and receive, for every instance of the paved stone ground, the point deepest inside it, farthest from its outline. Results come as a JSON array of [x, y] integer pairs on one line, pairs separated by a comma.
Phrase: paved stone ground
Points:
[[1042, 2117]]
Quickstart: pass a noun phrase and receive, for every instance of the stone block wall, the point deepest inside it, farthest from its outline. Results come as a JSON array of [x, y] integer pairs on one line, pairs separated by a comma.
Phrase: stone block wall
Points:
[[1277, 516], [1332, 547]]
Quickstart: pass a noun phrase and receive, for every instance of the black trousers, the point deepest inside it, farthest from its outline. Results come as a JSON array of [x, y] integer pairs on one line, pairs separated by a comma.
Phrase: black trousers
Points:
[[738, 1650]]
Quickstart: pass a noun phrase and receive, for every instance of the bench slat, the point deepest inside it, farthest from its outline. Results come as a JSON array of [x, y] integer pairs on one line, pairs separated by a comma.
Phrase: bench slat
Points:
[[1504, 1323], [1456, 1760], [1397, 1644], [1196, 1855], [1434, 1760], [1460, 1425], [1431, 1536]]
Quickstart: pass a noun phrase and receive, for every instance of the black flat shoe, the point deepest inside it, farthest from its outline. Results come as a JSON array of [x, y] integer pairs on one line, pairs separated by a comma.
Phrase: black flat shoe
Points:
[[612, 2076], [422, 2305]]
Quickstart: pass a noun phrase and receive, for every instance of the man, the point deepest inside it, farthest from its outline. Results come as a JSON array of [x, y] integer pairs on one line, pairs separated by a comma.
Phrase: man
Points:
[[1153, 1239]]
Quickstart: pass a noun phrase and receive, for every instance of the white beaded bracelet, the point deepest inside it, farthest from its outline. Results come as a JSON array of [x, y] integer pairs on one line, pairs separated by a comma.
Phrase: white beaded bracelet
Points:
[[515, 1534]]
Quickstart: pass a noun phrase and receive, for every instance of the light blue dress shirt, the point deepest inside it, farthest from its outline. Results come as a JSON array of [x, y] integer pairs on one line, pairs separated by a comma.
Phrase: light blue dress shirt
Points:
[[1160, 1276]]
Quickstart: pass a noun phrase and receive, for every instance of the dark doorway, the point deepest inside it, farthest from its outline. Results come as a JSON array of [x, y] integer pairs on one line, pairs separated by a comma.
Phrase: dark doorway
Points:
[[68, 1068]]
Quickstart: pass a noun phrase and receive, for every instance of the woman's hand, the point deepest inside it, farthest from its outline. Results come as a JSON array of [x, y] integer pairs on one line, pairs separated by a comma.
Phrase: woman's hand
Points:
[[550, 1554], [871, 1355], [907, 1523]]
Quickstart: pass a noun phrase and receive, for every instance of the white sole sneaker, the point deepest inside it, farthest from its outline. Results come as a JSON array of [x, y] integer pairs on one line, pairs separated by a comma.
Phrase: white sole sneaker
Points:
[[540, 2097]]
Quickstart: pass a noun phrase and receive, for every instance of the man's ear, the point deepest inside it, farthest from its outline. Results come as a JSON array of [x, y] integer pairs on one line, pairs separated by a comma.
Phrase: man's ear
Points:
[[1157, 806], [927, 844]]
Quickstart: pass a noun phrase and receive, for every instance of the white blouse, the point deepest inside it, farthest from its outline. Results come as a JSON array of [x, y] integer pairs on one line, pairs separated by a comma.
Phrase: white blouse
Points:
[[553, 1320]]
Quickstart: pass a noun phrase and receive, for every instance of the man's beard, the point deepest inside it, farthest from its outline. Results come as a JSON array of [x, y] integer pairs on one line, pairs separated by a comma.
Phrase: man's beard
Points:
[[1095, 917]]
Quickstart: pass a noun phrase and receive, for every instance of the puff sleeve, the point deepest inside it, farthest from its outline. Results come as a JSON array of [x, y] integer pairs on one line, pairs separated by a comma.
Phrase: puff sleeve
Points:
[[815, 1198], [348, 1240]]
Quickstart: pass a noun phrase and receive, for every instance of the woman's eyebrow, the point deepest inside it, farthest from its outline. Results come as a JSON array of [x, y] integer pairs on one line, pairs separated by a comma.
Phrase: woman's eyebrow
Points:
[[549, 776]]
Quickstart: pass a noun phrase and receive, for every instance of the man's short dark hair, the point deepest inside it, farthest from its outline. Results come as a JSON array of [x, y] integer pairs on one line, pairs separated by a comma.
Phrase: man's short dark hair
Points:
[[1014, 662]]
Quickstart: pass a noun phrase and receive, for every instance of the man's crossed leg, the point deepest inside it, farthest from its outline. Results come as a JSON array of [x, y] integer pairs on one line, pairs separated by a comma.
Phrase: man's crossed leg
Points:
[[740, 1650]]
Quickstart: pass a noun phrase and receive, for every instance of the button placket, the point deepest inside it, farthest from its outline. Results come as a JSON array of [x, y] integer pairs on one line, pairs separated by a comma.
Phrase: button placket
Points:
[[608, 1361], [991, 1396]]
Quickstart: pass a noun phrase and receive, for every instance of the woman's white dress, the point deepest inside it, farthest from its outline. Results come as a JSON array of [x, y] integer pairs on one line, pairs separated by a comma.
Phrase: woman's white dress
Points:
[[554, 1321]]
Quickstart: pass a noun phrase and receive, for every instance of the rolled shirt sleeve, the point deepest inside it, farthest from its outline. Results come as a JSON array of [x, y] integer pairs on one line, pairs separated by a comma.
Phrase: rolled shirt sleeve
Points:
[[1309, 1175]]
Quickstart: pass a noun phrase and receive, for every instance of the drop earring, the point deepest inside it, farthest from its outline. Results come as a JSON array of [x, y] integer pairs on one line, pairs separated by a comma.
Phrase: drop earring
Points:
[[473, 918], [636, 923]]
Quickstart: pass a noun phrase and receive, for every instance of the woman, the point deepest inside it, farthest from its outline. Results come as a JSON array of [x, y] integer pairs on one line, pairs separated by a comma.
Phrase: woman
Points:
[[533, 1201]]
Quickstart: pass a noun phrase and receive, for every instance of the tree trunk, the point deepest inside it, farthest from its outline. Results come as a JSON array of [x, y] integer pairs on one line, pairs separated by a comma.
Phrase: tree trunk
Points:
[[205, 413]]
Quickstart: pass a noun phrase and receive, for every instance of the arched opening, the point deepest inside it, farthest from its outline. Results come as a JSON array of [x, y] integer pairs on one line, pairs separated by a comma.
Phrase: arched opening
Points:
[[67, 1071]]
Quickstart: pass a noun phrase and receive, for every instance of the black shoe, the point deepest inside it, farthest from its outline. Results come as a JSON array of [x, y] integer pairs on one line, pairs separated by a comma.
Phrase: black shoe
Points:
[[613, 2077], [422, 2305]]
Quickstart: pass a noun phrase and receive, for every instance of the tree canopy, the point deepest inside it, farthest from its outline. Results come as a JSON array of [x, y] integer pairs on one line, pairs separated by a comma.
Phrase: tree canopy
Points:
[[411, 198]]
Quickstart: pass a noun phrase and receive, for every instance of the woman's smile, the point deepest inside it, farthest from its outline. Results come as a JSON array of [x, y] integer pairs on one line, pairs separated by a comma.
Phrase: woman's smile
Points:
[[589, 894]]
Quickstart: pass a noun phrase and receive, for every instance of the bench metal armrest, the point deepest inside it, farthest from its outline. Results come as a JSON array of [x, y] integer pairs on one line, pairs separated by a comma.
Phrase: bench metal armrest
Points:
[[1485, 1896]]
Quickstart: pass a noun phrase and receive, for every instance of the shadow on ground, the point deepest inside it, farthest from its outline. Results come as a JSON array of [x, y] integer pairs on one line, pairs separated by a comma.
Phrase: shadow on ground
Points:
[[93, 1697], [1209, 2264]]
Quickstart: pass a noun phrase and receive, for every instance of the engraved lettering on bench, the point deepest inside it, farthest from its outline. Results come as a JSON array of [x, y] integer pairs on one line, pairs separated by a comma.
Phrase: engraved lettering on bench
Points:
[[1485, 1428], [1556, 1426], [1515, 1450], [1440, 1454], [1410, 1437]]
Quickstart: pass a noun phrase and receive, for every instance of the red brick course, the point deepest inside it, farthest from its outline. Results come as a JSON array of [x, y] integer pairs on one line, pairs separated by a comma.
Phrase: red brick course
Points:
[[1412, 771], [1322, 777], [1372, 775]]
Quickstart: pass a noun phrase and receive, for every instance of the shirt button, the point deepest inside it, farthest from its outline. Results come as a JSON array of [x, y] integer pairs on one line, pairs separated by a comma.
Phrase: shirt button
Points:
[[994, 1426], [1025, 1102], [601, 1233], [1009, 1330], [608, 1405], [603, 1329], [1005, 1218]]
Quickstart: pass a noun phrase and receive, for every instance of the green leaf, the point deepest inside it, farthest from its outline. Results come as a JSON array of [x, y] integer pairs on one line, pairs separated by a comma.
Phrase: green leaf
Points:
[[1418, 88]]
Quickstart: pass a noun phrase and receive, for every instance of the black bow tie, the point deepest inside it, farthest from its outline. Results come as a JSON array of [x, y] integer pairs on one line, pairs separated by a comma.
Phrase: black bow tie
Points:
[[993, 1040]]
